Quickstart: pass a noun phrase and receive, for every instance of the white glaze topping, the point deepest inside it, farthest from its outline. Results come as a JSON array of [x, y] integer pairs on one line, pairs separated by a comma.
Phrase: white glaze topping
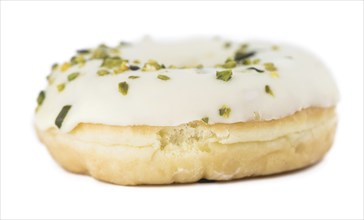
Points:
[[191, 93]]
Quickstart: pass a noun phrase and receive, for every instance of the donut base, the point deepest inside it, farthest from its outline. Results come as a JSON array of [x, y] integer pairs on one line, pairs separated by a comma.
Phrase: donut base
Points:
[[134, 155]]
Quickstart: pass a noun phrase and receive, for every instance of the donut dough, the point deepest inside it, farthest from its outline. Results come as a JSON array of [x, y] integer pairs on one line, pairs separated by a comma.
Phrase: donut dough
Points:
[[177, 112]]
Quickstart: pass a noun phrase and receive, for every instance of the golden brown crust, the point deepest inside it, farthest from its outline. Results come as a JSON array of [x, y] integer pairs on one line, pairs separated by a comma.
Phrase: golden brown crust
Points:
[[132, 155]]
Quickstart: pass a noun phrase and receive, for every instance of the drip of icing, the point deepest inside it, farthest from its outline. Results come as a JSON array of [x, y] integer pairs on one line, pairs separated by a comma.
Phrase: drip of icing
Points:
[[301, 81]]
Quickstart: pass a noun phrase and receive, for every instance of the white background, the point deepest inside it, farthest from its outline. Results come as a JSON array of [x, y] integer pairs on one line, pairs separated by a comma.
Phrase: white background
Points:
[[34, 35]]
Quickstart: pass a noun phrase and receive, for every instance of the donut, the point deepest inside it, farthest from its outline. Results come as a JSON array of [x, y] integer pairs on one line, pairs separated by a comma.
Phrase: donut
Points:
[[162, 112]]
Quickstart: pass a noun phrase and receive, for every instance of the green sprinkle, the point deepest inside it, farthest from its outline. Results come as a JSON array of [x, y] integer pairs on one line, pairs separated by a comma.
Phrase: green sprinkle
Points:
[[229, 64], [122, 67], [102, 72], [72, 76], [224, 75], [205, 119], [153, 62], [270, 67], [112, 62], [62, 114], [123, 88], [163, 77], [241, 55], [247, 62], [41, 97], [133, 77], [54, 67], [225, 111], [268, 90], [83, 51], [60, 87], [77, 60], [99, 53], [151, 65]]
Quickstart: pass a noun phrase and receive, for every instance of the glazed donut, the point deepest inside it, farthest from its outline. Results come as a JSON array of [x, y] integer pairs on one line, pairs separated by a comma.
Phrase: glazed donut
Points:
[[179, 111]]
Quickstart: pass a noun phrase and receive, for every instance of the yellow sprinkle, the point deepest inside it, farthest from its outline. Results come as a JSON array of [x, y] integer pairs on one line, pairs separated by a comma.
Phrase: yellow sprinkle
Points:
[[65, 66], [151, 65], [60, 87], [136, 61], [122, 68], [148, 67], [229, 64], [274, 74], [270, 67], [78, 60], [123, 88], [102, 72], [99, 53]]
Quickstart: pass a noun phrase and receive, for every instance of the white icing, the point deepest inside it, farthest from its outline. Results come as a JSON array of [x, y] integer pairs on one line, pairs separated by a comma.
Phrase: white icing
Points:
[[190, 94]]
